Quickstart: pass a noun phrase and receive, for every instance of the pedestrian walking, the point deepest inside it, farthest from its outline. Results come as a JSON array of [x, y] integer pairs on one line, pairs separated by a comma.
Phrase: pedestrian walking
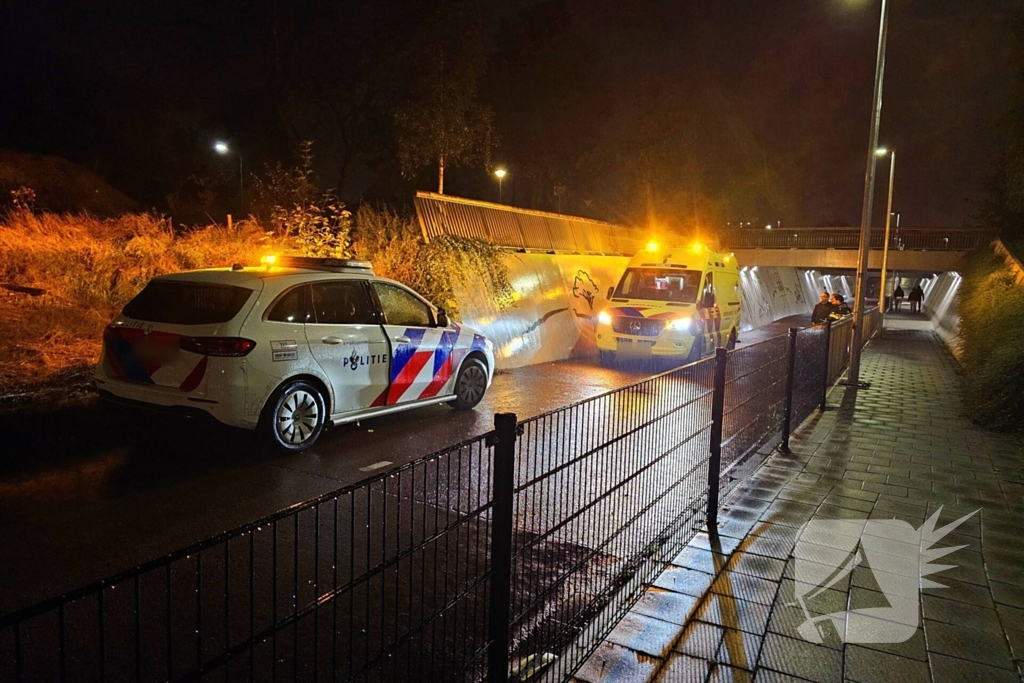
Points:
[[916, 298], [897, 298]]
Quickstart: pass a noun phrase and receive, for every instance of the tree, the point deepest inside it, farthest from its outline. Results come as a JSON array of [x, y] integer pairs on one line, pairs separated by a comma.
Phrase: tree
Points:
[[1003, 207], [443, 121]]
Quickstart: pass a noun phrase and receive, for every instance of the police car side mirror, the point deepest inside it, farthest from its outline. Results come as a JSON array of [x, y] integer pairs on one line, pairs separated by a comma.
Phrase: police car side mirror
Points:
[[611, 290], [442, 318]]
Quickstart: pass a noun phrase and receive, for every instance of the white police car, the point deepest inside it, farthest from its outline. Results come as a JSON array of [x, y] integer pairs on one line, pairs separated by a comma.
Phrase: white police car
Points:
[[289, 347]]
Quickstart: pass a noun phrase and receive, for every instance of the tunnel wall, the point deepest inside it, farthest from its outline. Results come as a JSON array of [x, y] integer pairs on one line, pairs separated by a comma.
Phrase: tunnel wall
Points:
[[940, 295], [771, 293], [558, 296]]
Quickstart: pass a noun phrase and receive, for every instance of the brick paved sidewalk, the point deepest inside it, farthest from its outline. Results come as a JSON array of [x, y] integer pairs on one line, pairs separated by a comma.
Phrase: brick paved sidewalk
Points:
[[899, 449]]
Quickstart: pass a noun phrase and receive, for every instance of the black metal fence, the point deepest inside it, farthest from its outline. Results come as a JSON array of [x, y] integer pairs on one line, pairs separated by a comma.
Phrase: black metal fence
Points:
[[504, 557]]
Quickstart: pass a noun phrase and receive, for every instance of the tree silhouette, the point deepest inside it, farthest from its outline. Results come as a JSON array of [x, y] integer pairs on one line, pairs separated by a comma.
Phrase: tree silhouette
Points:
[[444, 122]]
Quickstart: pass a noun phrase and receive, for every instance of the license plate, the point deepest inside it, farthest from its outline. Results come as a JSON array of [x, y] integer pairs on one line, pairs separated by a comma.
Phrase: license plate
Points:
[[634, 350], [155, 352]]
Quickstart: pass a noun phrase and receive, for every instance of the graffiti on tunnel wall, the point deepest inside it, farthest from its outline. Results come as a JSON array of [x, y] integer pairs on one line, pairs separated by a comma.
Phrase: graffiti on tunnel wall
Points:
[[558, 296], [771, 293]]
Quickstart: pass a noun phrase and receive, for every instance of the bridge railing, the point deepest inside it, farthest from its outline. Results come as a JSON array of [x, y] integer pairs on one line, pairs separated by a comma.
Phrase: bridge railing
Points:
[[523, 229], [928, 239]]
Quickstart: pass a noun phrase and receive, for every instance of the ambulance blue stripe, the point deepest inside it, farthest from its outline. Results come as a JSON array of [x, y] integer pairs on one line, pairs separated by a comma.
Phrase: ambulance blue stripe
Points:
[[629, 311], [403, 353]]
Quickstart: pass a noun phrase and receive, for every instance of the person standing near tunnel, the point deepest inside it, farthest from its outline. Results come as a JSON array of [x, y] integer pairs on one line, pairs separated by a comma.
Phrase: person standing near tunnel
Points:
[[915, 298], [822, 310], [897, 298]]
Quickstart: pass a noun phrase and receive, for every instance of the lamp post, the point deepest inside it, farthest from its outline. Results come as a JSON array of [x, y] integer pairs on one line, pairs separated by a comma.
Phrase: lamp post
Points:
[[882, 151], [222, 148], [853, 377], [500, 174]]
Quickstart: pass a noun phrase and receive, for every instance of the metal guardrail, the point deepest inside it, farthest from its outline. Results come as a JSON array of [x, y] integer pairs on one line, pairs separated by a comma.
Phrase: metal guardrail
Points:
[[518, 549], [523, 229], [928, 239]]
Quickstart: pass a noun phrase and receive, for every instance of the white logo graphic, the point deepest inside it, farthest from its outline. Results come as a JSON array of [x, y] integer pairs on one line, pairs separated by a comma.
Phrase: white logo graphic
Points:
[[898, 556]]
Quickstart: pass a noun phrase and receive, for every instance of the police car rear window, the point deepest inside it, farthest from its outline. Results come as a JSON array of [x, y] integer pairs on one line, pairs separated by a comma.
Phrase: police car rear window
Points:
[[187, 303]]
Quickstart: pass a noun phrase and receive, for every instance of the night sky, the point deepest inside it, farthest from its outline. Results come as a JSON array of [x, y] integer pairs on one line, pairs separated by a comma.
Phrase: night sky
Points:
[[672, 111]]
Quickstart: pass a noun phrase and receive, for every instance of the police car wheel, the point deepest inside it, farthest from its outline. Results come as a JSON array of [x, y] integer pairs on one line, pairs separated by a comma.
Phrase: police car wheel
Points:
[[294, 417], [470, 384]]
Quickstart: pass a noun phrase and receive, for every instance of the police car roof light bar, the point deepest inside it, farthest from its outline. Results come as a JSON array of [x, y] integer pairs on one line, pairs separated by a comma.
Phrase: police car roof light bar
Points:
[[313, 263]]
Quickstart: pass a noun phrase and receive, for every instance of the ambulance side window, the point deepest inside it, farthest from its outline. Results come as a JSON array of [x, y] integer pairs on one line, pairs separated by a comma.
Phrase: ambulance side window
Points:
[[707, 299]]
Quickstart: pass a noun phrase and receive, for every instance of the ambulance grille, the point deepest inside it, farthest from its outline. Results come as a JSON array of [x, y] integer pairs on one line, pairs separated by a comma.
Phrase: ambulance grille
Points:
[[637, 327]]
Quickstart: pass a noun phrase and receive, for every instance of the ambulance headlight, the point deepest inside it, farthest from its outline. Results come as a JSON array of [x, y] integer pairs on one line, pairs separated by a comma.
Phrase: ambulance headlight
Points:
[[604, 318], [684, 324]]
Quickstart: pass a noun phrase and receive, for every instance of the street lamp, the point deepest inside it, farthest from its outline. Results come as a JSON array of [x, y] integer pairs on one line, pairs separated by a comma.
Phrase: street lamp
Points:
[[500, 174], [882, 152], [853, 377], [222, 148]]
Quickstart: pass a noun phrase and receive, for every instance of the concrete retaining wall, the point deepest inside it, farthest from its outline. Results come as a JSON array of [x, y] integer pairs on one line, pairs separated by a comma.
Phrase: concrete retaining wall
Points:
[[940, 295], [559, 295]]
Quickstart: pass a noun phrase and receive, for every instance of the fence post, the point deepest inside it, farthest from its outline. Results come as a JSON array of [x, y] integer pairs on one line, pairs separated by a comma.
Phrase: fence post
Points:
[[505, 428], [826, 374], [787, 418], [715, 462]]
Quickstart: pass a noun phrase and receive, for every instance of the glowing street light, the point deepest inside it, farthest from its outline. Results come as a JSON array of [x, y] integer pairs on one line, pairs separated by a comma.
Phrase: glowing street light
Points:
[[500, 174], [222, 148], [882, 152]]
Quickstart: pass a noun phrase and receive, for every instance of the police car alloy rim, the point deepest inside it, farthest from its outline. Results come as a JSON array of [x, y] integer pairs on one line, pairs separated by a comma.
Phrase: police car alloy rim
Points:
[[297, 417], [472, 383]]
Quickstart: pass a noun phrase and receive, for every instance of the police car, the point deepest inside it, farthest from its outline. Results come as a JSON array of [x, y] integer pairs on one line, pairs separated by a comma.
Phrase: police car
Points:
[[289, 347]]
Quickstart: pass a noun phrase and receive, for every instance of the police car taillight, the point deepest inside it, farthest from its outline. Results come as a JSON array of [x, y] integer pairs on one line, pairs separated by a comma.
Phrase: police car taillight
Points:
[[218, 346]]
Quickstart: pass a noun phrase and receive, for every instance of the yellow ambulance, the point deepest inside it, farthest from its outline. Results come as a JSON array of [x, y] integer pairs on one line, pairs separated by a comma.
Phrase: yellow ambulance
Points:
[[674, 303]]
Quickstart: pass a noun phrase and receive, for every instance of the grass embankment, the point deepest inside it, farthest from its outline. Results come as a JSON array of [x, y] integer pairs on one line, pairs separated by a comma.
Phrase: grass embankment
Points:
[[991, 308], [63, 277]]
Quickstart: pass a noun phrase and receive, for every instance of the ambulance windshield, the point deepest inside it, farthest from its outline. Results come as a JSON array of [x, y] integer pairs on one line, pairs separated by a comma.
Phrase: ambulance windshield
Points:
[[659, 284]]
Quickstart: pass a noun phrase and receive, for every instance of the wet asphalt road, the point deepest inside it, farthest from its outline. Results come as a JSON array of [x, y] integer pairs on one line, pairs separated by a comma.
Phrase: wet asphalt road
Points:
[[85, 494]]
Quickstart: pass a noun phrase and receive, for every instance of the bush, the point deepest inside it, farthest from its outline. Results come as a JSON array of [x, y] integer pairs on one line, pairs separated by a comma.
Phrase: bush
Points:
[[395, 245], [991, 307], [316, 220], [99, 264], [87, 268]]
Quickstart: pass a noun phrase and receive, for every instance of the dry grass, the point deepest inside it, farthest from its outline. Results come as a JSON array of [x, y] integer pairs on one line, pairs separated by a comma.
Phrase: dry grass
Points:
[[89, 268]]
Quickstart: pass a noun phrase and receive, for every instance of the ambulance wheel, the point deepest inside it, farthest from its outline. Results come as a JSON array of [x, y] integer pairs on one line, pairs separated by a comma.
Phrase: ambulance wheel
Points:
[[294, 417], [733, 338], [470, 385], [696, 351]]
